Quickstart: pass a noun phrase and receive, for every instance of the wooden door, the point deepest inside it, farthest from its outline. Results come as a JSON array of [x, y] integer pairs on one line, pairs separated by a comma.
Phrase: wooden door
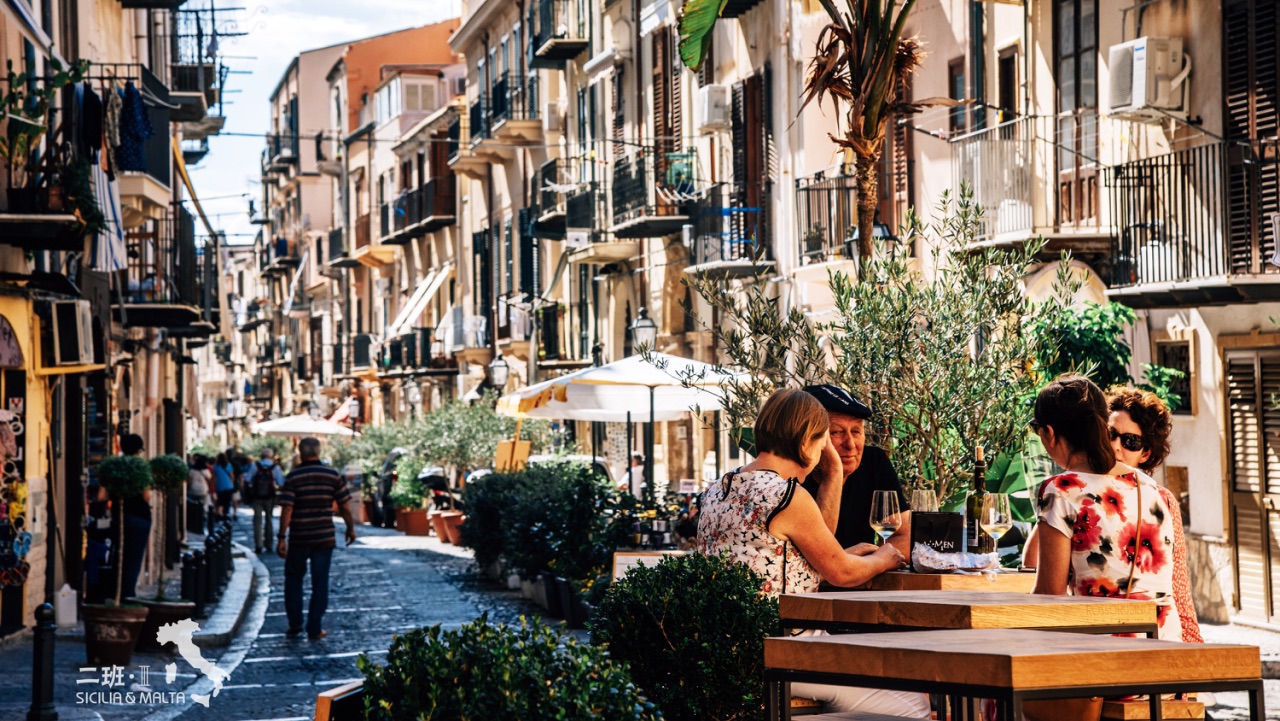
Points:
[[1253, 402]]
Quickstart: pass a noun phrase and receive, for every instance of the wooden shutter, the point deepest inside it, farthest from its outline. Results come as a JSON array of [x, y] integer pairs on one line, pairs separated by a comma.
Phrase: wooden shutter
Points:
[[675, 90], [1251, 106], [528, 254], [661, 101], [1246, 483], [619, 113], [509, 259], [738, 128]]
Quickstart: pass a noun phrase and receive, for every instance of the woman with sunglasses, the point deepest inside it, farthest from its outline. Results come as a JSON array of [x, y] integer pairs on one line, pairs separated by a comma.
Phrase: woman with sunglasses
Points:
[[1139, 426], [1105, 529]]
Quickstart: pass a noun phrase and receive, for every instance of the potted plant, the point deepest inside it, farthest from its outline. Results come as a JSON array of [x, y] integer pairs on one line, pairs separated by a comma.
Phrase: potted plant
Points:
[[650, 621], [26, 102], [408, 495], [487, 671], [169, 475], [814, 242], [111, 629]]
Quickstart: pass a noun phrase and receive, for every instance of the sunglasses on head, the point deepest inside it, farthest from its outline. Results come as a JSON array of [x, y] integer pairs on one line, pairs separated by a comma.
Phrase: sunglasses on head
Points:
[[1128, 441], [1035, 425]]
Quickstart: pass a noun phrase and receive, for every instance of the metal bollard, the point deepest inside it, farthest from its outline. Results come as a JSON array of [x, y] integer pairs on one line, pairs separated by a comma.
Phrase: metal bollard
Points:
[[42, 708], [201, 591], [188, 576]]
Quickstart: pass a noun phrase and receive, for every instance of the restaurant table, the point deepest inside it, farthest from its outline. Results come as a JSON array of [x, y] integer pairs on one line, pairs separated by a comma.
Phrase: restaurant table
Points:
[[879, 611], [1010, 666], [1012, 581]]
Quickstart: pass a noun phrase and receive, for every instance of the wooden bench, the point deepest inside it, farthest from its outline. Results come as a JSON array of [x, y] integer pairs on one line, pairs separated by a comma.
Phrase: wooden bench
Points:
[[805, 707]]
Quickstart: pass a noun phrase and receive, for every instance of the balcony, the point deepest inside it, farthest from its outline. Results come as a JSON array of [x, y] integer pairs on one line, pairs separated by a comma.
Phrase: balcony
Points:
[[367, 253], [730, 231], [162, 288], [461, 141], [652, 189], [513, 110], [419, 211], [193, 151], [282, 153], [280, 256], [151, 4], [551, 201], [362, 352], [416, 354], [586, 211], [827, 208], [337, 255], [196, 74], [253, 317], [562, 33], [1184, 235]]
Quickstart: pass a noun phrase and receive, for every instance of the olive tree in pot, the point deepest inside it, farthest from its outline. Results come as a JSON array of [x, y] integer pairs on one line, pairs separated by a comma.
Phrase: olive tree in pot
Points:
[[698, 656], [169, 476], [111, 629], [487, 671]]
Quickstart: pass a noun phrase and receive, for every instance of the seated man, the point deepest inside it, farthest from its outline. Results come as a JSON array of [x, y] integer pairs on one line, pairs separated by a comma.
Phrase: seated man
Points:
[[846, 505]]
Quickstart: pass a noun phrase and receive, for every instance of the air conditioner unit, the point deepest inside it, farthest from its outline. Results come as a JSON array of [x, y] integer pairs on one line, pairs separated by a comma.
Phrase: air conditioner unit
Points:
[[551, 116], [459, 86], [577, 238], [1148, 75], [72, 333], [713, 108]]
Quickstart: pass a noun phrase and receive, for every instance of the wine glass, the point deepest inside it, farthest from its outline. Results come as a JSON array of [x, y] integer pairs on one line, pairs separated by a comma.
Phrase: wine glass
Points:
[[924, 500], [995, 517], [886, 518]]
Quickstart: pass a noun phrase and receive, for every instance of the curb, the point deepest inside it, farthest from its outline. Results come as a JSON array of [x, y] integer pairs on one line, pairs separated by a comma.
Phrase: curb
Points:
[[218, 630]]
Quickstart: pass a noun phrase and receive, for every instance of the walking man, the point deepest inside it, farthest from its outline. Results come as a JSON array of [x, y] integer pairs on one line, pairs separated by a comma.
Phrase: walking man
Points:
[[306, 517], [263, 485]]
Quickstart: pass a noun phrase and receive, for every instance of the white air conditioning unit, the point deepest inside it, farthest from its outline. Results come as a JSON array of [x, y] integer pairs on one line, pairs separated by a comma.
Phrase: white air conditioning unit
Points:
[[551, 117], [72, 333], [1148, 75], [713, 108], [577, 238]]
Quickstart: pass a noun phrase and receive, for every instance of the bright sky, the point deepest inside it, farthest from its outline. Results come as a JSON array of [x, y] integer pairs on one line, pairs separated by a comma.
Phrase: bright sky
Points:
[[277, 31]]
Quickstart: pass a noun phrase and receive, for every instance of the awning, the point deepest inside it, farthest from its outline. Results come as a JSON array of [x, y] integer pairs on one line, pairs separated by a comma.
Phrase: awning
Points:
[[653, 16], [599, 67], [422, 296]]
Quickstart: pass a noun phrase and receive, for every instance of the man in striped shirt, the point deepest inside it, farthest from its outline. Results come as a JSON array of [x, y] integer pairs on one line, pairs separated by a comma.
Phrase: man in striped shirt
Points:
[[306, 517]]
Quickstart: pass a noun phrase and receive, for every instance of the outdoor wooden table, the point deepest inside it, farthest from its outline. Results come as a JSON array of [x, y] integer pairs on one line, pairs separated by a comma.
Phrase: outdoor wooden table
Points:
[[1010, 666], [1012, 581], [908, 610]]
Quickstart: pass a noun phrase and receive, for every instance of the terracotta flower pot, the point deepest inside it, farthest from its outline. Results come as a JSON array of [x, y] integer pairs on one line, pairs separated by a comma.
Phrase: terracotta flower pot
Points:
[[160, 613], [453, 526], [111, 633], [437, 523], [413, 522]]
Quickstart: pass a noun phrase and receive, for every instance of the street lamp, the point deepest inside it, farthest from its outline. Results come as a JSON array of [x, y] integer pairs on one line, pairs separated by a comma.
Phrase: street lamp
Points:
[[644, 332], [644, 335], [499, 372], [353, 411]]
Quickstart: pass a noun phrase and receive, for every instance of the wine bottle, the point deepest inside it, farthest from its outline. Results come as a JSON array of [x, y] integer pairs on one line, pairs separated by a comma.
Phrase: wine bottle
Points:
[[975, 540]]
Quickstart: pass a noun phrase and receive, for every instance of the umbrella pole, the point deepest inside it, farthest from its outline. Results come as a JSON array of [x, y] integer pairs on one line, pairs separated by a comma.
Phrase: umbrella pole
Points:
[[648, 459], [631, 485]]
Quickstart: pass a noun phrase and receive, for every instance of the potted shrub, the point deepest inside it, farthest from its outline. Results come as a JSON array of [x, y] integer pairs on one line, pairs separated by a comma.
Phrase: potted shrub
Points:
[[486, 671], [111, 629], [650, 621], [408, 495], [169, 475]]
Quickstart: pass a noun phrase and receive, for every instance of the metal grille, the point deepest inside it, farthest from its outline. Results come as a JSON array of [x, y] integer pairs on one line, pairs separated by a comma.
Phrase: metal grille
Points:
[[999, 164]]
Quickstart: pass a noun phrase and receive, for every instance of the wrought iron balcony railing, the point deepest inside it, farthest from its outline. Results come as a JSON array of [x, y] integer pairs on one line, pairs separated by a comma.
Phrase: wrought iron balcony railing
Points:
[[652, 185], [337, 245], [731, 224], [162, 267], [479, 117], [564, 333], [827, 210], [563, 32], [457, 131]]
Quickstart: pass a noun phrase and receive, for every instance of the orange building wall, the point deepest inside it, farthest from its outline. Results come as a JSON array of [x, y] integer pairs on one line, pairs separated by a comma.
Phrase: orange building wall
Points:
[[364, 59]]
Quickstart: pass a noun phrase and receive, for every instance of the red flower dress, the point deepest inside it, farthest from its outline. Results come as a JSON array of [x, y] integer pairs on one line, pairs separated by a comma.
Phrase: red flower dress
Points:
[[1110, 535]]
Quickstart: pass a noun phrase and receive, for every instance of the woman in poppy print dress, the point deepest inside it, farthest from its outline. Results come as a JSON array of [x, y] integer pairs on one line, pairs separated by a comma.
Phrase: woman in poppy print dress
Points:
[[1105, 528]]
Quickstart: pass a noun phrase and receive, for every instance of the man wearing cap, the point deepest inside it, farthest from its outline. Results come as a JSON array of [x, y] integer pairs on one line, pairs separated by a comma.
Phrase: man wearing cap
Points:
[[865, 469]]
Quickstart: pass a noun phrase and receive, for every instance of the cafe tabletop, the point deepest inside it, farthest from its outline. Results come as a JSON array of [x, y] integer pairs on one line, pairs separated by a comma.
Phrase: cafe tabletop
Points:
[[1012, 658], [1011, 581], [966, 609]]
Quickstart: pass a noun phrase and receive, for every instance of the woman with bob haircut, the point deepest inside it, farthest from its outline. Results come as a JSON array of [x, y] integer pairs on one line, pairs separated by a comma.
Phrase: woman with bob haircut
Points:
[[761, 516]]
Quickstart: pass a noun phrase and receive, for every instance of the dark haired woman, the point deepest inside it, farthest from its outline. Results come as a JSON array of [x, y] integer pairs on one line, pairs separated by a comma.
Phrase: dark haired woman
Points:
[[1140, 424], [760, 515], [1105, 529]]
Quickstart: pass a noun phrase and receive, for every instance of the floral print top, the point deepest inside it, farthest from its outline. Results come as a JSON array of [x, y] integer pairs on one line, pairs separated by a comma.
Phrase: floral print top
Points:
[[1110, 535], [735, 517]]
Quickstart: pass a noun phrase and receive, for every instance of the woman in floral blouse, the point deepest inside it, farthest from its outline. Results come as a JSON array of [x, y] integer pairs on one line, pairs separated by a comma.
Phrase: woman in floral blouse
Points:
[[760, 515], [1105, 529]]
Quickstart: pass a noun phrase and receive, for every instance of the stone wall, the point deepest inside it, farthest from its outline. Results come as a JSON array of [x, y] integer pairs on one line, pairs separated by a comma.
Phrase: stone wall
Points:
[[1212, 567]]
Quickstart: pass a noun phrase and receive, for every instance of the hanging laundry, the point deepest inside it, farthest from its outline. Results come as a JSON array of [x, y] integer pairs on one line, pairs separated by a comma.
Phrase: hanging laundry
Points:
[[89, 139], [111, 132], [135, 129]]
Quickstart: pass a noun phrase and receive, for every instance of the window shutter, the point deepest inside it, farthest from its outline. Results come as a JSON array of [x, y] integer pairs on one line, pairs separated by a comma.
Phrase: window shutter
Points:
[[676, 90], [619, 113], [1246, 480], [528, 254], [661, 97], [509, 259], [738, 127]]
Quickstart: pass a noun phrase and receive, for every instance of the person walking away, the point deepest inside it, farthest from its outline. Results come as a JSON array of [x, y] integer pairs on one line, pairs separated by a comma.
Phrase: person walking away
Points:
[[307, 535], [266, 480], [238, 462], [198, 481], [224, 486], [137, 525]]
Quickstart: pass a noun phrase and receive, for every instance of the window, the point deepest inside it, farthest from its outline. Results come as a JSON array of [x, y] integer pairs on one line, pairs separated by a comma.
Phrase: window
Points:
[[1007, 84], [1177, 355], [955, 90], [509, 259], [1076, 71]]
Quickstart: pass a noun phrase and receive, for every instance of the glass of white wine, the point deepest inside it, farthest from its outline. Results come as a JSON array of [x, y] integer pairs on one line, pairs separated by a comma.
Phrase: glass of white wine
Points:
[[886, 518], [996, 518]]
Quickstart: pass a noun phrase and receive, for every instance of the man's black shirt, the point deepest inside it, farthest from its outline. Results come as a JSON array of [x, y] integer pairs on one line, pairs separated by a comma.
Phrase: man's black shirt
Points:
[[875, 473]]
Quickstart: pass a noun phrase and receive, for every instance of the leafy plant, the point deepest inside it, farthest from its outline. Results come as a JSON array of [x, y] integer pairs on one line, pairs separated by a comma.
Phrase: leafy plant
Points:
[[946, 363], [489, 500], [124, 476], [207, 446], [1089, 339], [692, 630], [26, 104], [465, 437], [253, 446], [486, 671], [169, 472], [408, 492]]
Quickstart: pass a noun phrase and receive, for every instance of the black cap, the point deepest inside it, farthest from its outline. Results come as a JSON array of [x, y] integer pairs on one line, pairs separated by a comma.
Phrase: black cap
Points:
[[838, 400]]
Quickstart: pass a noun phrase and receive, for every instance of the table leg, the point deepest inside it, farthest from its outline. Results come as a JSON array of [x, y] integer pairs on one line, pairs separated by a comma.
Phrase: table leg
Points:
[[1157, 713], [1257, 703], [1016, 710], [771, 700], [784, 703]]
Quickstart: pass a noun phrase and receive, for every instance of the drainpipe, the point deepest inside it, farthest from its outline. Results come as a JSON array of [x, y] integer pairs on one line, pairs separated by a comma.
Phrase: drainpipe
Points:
[[978, 62]]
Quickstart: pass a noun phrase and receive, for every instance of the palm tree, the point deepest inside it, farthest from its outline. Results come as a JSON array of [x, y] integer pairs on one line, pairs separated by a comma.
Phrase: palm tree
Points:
[[861, 59]]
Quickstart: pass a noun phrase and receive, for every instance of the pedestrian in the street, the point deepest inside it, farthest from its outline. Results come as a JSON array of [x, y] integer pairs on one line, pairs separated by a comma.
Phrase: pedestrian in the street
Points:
[[238, 462], [263, 486], [224, 486], [632, 480], [306, 521], [137, 524], [199, 481]]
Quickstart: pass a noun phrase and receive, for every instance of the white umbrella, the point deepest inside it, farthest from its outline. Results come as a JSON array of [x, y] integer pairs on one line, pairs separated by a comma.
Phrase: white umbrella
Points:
[[299, 426]]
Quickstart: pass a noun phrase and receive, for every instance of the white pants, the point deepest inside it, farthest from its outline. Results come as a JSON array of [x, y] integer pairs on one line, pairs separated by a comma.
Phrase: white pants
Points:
[[907, 704]]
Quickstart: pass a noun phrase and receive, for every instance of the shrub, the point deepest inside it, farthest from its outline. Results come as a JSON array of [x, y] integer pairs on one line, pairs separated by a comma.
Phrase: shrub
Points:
[[483, 671], [253, 446], [407, 492], [488, 500], [169, 472], [124, 476], [692, 630]]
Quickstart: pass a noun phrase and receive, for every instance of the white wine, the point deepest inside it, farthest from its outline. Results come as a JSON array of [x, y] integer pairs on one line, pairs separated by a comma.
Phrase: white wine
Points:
[[885, 529], [975, 542], [996, 530]]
